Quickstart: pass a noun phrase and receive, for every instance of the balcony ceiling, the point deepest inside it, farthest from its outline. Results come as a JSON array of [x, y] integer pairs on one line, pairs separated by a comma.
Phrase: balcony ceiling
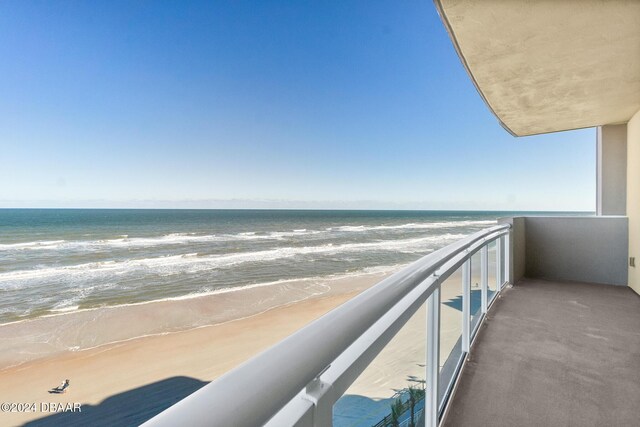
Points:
[[547, 66]]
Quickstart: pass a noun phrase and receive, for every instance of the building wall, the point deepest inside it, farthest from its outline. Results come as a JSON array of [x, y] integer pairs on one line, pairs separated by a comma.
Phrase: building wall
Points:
[[583, 249], [633, 198]]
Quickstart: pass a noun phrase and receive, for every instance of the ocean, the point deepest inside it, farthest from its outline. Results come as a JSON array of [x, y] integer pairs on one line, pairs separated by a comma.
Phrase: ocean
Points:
[[76, 279], [62, 260]]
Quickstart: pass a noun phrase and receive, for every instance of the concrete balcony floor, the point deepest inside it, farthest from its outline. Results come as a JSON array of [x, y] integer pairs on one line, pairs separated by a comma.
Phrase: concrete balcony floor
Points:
[[554, 354]]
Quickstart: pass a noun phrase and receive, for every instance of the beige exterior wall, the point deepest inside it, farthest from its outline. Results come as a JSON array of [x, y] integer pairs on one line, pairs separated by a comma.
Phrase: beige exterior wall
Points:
[[633, 197]]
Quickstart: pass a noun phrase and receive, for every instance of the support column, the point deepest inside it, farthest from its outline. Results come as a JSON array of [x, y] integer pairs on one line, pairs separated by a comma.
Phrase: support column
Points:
[[611, 174]]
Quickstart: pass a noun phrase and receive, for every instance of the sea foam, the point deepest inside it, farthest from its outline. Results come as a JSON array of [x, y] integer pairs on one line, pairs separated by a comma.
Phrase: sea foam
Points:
[[192, 262], [174, 239]]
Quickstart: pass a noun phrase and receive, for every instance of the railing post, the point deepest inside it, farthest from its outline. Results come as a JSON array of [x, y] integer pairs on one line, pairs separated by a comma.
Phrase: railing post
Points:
[[433, 359], [466, 304], [317, 392], [499, 259], [507, 257], [484, 277]]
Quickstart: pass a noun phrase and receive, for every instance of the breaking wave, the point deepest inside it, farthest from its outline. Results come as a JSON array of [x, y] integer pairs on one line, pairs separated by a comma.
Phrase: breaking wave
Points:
[[193, 262], [175, 239]]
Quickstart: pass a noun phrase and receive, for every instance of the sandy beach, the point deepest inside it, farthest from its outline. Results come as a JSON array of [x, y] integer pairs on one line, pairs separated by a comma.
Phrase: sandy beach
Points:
[[178, 363], [150, 373]]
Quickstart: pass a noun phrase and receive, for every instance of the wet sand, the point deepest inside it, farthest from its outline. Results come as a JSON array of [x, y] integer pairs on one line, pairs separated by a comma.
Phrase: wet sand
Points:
[[80, 330]]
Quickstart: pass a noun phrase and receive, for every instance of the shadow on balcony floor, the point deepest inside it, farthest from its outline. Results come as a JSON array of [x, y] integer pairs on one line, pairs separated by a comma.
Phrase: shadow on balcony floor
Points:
[[475, 301], [554, 354], [130, 408]]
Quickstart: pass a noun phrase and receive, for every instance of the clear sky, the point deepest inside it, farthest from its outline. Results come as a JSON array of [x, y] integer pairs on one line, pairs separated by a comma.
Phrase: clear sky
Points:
[[261, 104]]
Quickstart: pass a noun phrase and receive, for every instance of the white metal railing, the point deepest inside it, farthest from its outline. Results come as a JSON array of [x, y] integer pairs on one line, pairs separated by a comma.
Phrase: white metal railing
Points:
[[297, 381]]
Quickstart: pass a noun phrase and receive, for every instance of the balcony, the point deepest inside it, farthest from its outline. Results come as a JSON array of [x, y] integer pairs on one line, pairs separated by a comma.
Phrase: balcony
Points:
[[550, 349], [554, 353]]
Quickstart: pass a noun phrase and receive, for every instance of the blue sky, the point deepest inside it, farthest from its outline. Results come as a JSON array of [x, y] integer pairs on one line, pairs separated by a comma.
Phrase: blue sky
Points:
[[261, 104]]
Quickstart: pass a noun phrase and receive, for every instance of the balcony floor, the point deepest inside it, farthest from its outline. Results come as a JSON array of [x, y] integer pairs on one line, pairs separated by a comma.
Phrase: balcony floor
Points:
[[554, 354]]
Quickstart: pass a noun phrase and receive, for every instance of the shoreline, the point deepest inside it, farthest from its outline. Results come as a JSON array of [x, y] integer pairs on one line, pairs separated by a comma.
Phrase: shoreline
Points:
[[71, 310], [55, 334]]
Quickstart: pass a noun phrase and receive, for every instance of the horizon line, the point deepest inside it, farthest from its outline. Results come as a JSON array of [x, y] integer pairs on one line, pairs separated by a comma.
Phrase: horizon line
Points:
[[292, 209]]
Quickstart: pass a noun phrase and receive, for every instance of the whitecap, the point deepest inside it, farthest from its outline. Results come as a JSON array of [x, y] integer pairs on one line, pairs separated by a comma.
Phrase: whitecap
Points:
[[192, 262], [414, 226]]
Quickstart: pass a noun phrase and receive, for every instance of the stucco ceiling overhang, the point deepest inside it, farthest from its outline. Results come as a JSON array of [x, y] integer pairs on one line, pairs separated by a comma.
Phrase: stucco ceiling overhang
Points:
[[550, 65]]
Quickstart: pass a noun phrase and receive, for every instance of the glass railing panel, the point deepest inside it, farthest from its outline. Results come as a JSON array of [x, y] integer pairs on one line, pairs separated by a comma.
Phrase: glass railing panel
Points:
[[476, 291], [492, 271], [390, 391], [450, 330]]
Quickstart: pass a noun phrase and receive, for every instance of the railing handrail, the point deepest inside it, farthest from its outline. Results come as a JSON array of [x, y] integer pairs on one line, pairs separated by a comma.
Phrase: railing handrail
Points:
[[252, 393]]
